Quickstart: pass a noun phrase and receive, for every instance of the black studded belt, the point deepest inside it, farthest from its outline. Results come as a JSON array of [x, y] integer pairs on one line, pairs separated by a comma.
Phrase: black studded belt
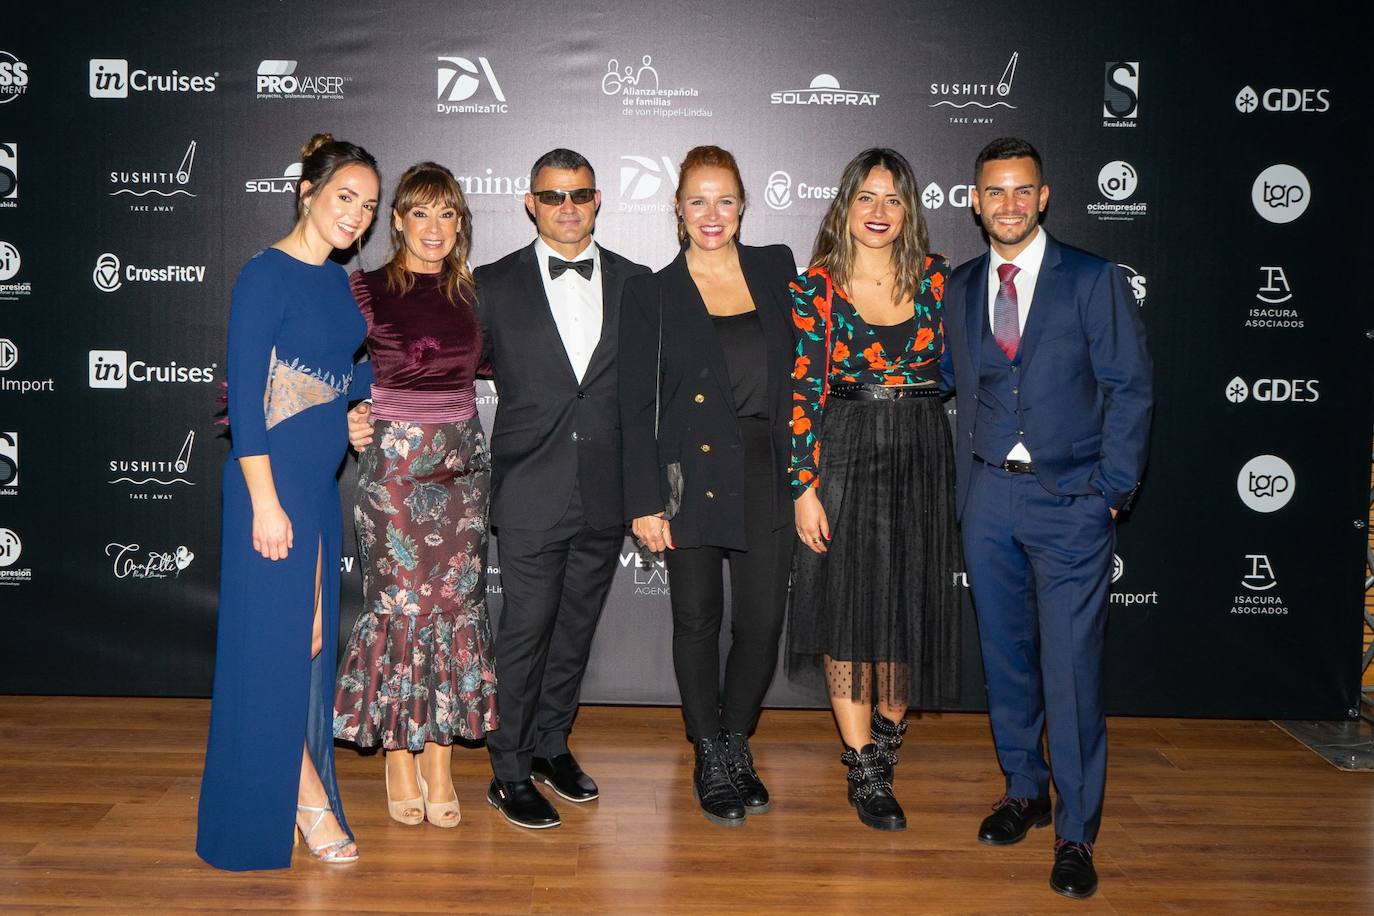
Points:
[[855, 391]]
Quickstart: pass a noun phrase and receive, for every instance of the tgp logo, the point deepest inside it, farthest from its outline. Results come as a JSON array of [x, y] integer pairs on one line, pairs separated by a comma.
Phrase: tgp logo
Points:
[[1121, 93], [1260, 575], [459, 80], [9, 175], [1285, 101], [933, 196], [1266, 483], [1273, 390], [1281, 193], [1136, 281], [641, 179], [14, 77]]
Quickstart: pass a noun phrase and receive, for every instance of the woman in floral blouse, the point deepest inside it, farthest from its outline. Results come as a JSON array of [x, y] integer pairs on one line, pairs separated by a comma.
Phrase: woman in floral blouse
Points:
[[874, 603]]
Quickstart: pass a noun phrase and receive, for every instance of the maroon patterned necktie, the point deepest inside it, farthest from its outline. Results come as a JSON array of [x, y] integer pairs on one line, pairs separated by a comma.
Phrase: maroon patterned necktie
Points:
[[1006, 325]]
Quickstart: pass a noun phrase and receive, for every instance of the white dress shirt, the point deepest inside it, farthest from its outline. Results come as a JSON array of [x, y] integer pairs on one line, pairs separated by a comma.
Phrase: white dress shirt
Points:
[[1029, 263], [575, 303]]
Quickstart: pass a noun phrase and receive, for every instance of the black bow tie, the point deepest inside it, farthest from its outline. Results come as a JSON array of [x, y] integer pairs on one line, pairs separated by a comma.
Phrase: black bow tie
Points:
[[557, 266]]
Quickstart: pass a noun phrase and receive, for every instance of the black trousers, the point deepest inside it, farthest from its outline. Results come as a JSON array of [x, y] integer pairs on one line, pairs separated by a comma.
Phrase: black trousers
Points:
[[555, 584], [758, 599]]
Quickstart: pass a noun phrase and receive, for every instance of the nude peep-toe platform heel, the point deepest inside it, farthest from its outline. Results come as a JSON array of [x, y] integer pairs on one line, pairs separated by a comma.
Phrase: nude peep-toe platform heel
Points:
[[436, 812], [397, 809], [329, 853]]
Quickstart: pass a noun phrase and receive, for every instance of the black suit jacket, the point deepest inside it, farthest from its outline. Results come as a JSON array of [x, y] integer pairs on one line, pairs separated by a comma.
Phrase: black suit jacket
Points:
[[697, 426], [551, 431]]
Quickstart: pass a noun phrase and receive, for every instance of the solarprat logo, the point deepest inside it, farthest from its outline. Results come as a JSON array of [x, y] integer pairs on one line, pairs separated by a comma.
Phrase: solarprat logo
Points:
[[114, 369], [642, 93], [11, 549], [154, 478], [1260, 597], [155, 190], [780, 192], [286, 184], [645, 179], [131, 561], [1275, 295], [11, 290], [1266, 483], [824, 90], [1283, 100], [277, 79], [9, 175], [983, 97], [1121, 93], [959, 197], [1117, 181], [14, 77], [112, 78], [1136, 281], [1281, 193], [1125, 598], [460, 79], [9, 463], [1273, 390], [651, 577], [110, 274]]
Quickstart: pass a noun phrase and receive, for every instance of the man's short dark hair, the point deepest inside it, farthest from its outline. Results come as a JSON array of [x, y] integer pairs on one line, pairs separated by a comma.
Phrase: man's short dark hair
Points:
[[1007, 148], [561, 159]]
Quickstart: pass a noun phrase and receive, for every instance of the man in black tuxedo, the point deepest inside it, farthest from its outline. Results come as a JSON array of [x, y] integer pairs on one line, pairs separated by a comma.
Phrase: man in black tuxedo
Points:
[[550, 322]]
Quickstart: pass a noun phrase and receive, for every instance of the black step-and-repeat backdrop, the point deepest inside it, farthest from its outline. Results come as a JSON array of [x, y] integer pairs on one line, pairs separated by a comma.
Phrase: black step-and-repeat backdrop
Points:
[[147, 150]]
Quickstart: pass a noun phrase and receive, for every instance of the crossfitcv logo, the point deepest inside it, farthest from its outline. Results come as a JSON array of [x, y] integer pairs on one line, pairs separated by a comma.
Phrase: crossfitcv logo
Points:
[[779, 193], [1266, 483], [109, 275]]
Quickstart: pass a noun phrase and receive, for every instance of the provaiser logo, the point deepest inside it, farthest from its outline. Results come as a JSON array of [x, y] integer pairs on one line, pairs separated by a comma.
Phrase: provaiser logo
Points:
[[277, 79]]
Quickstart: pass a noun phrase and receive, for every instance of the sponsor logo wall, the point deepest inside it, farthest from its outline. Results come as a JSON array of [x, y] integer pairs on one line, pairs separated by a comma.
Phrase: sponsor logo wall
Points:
[[145, 157]]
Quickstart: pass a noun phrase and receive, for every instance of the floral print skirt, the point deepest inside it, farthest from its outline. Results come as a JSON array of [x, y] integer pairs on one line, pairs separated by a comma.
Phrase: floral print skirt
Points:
[[418, 666]]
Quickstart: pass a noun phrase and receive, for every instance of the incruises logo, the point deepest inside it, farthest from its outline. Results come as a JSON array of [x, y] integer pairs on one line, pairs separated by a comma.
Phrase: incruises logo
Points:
[[112, 78]]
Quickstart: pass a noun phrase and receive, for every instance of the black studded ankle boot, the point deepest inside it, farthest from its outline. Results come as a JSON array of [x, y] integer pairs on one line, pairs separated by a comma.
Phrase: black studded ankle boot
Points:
[[870, 791], [711, 785], [887, 737], [739, 761]]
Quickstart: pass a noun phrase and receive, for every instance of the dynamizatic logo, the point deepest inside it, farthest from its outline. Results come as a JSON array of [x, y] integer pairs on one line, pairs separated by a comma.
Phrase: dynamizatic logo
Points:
[[1121, 93], [933, 197], [111, 78], [1281, 193], [9, 175], [824, 90], [10, 262], [1273, 390], [1128, 599], [986, 97], [1274, 291], [9, 358], [131, 561], [9, 463], [14, 77], [642, 95], [109, 274], [460, 79], [114, 369], [649, 578], [147, 474], [277, 79], [1283, 100], [1117, 181], [1266, 483], [286, 184], [1259, 576], [155, 190], [490, 184], [641, 179], [1136, 281], [11, 548], [780, 193]]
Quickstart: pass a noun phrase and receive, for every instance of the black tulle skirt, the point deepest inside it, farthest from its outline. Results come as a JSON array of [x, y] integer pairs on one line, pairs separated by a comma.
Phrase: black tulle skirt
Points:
[[880, 613]]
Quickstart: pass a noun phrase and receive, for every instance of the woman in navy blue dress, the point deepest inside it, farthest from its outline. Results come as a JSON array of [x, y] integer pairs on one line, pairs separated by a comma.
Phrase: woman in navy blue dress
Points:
[[293, 331]]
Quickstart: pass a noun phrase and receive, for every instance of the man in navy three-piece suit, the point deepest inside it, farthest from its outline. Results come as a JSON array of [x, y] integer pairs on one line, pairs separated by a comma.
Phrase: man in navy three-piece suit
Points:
[[1046, 354]]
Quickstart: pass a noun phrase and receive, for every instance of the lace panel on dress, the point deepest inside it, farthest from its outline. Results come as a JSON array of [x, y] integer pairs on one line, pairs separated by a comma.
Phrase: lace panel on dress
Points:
[[293, 387]]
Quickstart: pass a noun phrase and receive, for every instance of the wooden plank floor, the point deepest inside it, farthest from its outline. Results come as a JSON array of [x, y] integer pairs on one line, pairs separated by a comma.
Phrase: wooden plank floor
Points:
[[98, 802]]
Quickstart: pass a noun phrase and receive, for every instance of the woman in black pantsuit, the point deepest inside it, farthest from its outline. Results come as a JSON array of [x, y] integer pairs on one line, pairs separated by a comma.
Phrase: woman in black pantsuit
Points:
[[708, 340]]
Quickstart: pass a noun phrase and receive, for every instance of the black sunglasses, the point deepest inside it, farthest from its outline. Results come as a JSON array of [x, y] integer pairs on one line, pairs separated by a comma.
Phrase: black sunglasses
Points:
[[556, 198]]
